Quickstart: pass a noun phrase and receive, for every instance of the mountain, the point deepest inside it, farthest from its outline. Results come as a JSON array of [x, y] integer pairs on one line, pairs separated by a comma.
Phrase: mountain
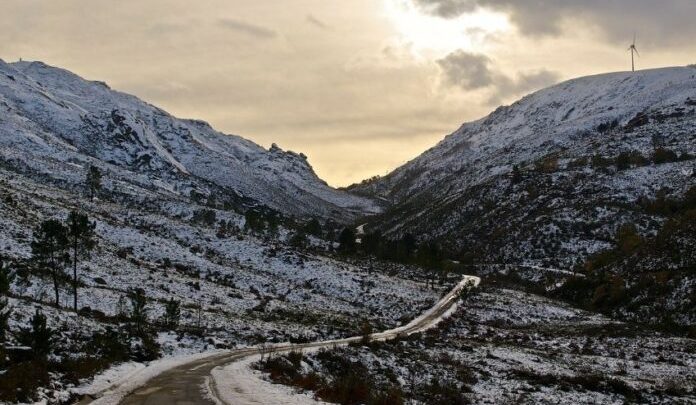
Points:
[[172, 226], [53, 122], [552, 136], [549, 180]]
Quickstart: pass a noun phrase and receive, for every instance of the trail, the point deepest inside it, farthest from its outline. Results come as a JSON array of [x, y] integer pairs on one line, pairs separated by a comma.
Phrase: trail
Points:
[[224, 378]]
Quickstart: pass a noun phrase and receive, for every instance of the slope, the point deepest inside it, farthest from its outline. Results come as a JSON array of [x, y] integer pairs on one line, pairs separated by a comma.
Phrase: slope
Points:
[[50, 117]]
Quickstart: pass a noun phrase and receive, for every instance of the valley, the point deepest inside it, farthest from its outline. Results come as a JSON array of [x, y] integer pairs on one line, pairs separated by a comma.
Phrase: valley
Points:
[[206, 262]]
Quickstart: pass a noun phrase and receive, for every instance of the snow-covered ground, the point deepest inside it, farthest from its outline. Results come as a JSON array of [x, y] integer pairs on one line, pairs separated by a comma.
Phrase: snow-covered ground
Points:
[[568, 195], [239, 383], [504, 346], [246, 288]]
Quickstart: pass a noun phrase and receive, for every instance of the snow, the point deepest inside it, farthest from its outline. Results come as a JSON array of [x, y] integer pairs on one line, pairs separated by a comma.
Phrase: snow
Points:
[[110, 387], [239, 384], [460, 190], [142, 225], [73, 119]]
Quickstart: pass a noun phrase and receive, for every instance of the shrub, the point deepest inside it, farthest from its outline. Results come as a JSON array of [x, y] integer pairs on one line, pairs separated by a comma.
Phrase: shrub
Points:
[[626, 160], [547, 165], [599, 161], [661, 155], [205, 217], [19, 382], [39, 337]]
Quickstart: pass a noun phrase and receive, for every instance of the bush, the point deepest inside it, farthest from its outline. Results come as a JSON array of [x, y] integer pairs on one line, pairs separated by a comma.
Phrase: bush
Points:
[[547, 165], [599, 162], [661, 155], [39, 337], [19, 382], [626, 160], [110, 345], [350, 388], [145, 348], [205, 217]]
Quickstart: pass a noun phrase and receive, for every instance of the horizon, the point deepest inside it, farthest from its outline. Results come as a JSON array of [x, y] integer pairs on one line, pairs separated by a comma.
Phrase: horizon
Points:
[[358, 104]]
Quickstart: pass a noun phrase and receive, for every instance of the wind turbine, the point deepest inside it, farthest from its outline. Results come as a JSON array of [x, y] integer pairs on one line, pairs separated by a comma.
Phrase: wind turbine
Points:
[[633, 49]]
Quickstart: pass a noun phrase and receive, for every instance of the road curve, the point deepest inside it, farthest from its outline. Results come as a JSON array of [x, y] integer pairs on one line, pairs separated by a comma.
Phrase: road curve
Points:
[[186, 384]]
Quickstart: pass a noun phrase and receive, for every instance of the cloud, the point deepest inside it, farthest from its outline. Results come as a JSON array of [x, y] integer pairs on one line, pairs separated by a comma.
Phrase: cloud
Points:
[[665, 22], [472, 72], [316, 22], [530, 81], [467, 70], [446, 8], [247, 28]]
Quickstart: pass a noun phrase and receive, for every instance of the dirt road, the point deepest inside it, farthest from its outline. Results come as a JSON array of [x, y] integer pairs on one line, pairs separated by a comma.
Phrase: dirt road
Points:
[[187, 384]]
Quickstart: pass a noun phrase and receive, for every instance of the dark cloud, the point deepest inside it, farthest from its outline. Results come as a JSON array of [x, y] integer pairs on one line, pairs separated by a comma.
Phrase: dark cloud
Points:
[[446, 8], [247, 28], [664, 22], [467, 70], [470, 71], [316, 22]]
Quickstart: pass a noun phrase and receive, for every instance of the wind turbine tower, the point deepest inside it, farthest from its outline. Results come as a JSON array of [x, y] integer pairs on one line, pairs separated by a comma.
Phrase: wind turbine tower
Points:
[[633, 49]]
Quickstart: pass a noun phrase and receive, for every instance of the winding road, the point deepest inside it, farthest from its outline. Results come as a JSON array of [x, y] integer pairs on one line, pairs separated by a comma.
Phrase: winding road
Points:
[[191, 383]]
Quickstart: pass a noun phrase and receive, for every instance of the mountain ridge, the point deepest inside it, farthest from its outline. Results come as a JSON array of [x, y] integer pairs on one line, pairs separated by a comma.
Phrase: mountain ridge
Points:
[[473, 133], [595, 176], [63, 114]]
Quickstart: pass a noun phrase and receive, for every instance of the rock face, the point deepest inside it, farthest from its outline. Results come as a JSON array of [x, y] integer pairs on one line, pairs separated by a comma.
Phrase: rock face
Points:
[[53, 121], [586, 151]]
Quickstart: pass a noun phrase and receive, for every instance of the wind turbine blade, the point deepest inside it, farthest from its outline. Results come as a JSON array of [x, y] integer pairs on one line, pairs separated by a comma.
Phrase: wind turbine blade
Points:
[[634, 38], [636, 49]]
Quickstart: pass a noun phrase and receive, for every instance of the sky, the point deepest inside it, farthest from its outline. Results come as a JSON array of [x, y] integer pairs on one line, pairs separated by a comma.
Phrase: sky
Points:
[[359, 86]]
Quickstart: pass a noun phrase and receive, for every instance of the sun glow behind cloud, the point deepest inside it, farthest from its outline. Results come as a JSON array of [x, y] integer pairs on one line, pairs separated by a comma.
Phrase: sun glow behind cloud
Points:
[[432, 36]]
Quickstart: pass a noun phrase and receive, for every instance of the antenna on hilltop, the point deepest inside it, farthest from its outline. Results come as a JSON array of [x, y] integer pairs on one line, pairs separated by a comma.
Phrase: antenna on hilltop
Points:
[[633, 49]]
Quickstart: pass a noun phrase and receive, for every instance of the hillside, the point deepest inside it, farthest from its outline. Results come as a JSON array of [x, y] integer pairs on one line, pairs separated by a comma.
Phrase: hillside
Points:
[[52, 122], [204, 245], [172, 221], [549, 180]]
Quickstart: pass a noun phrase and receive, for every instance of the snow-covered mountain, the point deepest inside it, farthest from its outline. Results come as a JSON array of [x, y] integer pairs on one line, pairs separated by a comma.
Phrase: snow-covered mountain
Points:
[[563, 116], [172, 221], [565, 141], [55, 121], [595, 175]]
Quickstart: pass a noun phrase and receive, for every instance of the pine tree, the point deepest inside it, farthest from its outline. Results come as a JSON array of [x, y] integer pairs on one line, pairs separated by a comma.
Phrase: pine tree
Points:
[[516, 174], [298, 240], [313, 227], [253, 221], [122, 308], [346, 241], [49, 248], [6, 277], [39, 337], [371, 243], [81, 239], [138, 315], [172, 313], [273, 222], [5, 311], [93, 181], [5, 282]]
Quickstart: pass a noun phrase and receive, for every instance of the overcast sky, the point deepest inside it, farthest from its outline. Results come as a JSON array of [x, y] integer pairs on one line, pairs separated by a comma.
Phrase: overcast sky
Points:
[[360, 86]]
